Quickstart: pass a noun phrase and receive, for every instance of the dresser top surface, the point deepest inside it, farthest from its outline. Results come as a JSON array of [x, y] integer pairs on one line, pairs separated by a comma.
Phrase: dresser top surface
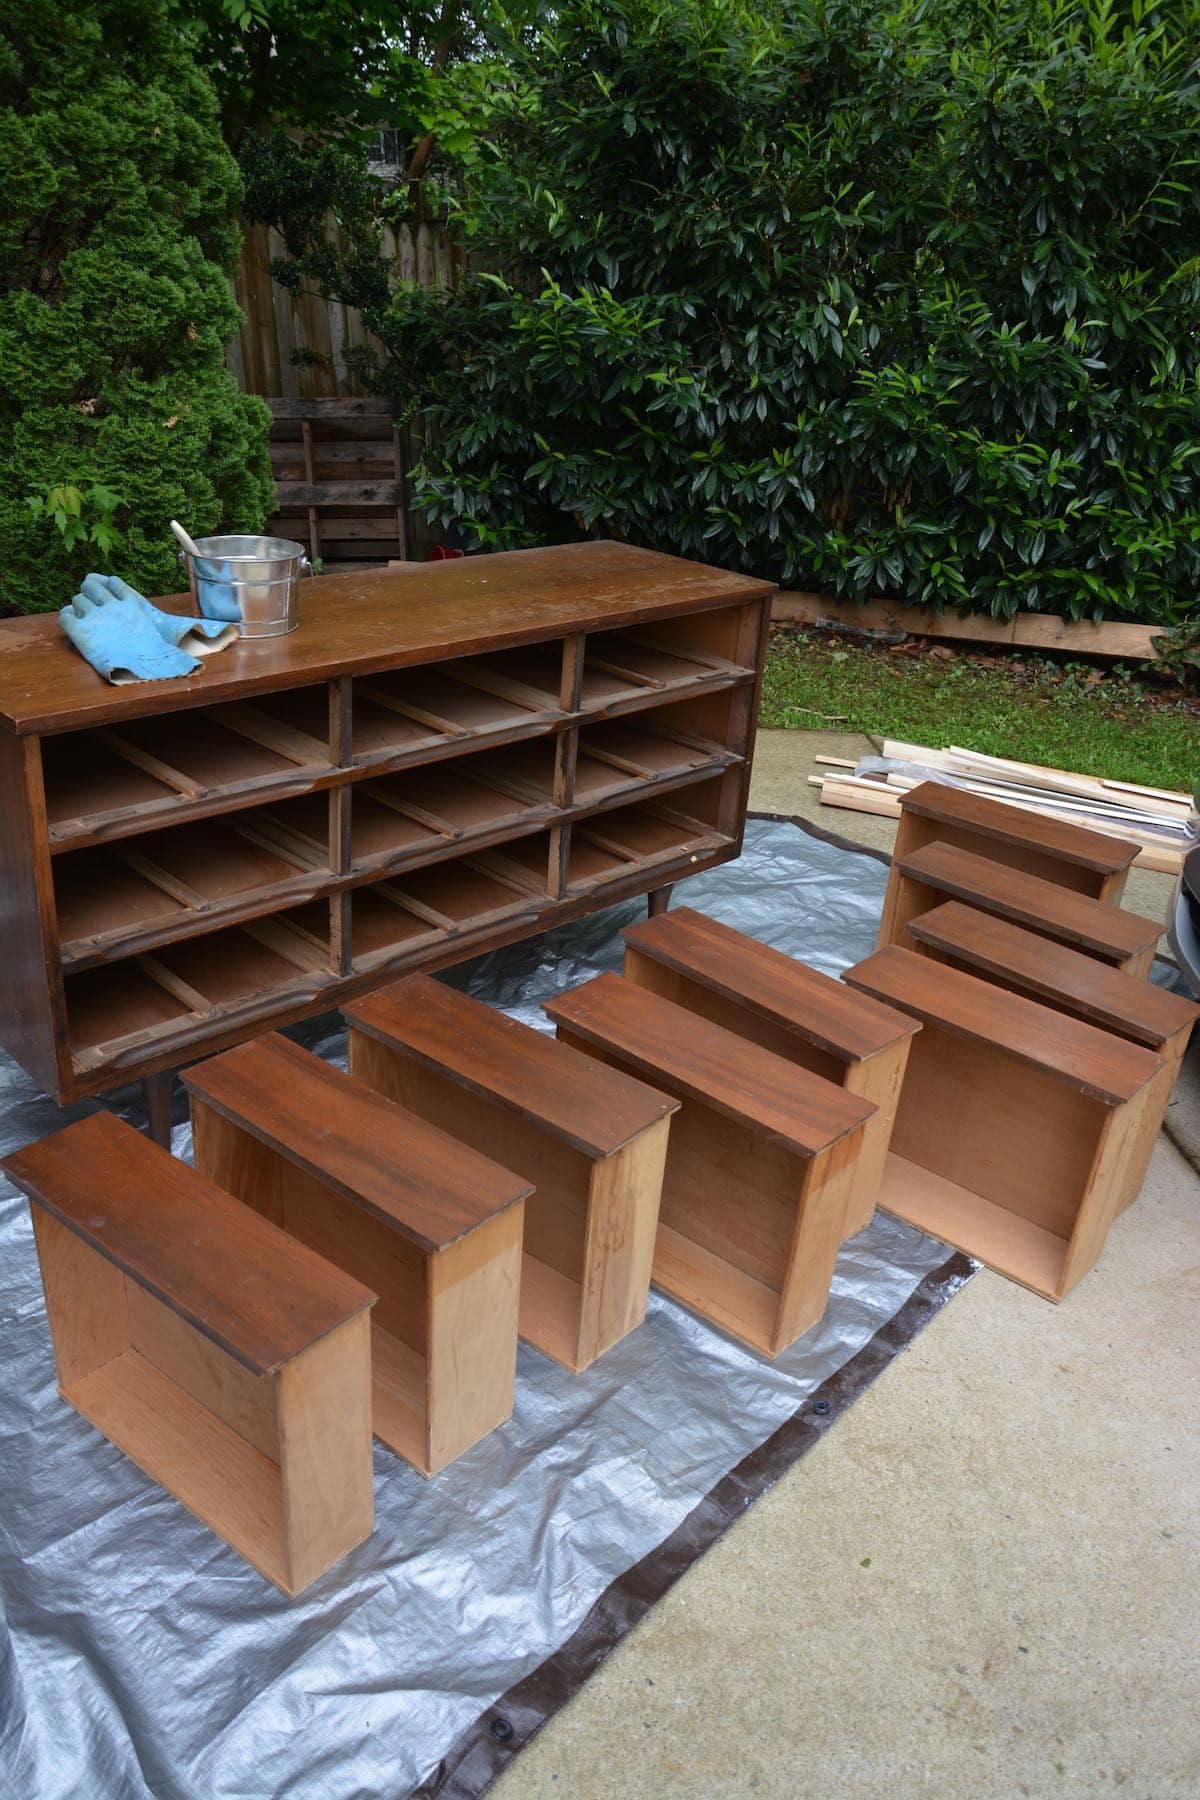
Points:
[[362, 623]]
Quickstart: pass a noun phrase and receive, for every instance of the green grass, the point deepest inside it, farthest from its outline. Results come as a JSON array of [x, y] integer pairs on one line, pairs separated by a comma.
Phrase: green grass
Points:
[[1105, 724]]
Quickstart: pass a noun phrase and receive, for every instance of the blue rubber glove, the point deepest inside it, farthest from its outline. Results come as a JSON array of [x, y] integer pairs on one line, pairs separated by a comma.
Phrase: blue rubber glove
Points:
[[199, 637], [118, 638]]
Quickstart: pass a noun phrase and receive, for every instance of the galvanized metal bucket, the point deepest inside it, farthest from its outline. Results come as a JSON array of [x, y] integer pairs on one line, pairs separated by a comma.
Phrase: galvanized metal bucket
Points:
[[250, 581]]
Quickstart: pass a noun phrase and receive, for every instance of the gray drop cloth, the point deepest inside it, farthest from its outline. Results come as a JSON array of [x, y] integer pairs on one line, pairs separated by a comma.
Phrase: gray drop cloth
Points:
[[140, 1656]]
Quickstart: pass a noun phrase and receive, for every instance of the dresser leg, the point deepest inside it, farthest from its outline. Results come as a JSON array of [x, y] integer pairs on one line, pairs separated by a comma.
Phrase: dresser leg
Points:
[[658, 899], [156, 1092]]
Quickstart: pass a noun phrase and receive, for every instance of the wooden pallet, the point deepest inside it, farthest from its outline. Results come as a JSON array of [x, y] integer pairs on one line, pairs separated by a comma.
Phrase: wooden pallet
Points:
[[339, 479]]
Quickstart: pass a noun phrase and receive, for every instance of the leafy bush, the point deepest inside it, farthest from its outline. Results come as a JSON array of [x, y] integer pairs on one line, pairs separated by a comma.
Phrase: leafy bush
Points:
[[116, 236], [869, 297]]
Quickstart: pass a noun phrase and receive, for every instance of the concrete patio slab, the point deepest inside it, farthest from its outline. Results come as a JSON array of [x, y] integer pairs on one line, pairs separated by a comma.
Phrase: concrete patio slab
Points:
[[986, 1581]]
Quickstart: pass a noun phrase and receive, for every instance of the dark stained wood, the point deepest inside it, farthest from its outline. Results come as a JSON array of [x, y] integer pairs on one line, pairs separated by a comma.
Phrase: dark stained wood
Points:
[[1044, 970], [242, 1283], [32, 1008], [1063, 1048], [689, 1056], [846, 1025], [750, 648], [990, 818], [344, 856], [161, 888], [357, 624], [188, 1036], [1074, 919], [658, 900], [593, 1108], [157, 1091], [415, 1178]]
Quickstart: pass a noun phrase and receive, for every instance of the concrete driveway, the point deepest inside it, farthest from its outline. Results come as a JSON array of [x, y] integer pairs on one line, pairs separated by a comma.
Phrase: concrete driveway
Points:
[[984, 1582]]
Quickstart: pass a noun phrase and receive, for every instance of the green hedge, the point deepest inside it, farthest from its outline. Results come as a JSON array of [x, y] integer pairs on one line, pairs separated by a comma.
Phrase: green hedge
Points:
[[116, 237], [875, 299]]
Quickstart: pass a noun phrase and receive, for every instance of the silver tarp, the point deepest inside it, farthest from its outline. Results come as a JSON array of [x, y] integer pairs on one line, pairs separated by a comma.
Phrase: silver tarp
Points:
[[140, 1656]]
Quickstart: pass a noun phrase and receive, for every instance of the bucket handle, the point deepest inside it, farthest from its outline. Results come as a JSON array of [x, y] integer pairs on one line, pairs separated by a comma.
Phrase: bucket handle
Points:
[[306, 567]]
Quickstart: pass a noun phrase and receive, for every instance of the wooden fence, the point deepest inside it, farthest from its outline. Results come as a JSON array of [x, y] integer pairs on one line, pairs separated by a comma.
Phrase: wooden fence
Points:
[[276, 322]]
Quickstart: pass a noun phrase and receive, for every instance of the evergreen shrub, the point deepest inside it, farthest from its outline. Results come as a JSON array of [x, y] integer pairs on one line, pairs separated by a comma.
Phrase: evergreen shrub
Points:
[[117, 237]]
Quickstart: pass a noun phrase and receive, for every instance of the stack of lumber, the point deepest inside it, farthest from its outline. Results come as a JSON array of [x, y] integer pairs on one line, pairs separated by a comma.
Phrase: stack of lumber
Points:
[[1158, 821]]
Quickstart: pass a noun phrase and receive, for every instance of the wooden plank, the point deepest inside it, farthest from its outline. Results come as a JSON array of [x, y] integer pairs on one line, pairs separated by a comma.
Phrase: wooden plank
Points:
[[779, 989], [702, 1280], [663, 1043], [359, 1144], [240, 1282], [172, 984], [1181, 802], [314, 527], [255, 723], [85, 1300], [1021, 1249], [1122, 938], [337, 493], [1066, 784], [150, 765], [363, 624], [474, 1296], [222, 1386], [325, 1450], [229, 1485], [595, 1110], [238, 1163], [618, 1252], [1063, 1049], [367, 406], [1112, 639], [33, 1015]]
